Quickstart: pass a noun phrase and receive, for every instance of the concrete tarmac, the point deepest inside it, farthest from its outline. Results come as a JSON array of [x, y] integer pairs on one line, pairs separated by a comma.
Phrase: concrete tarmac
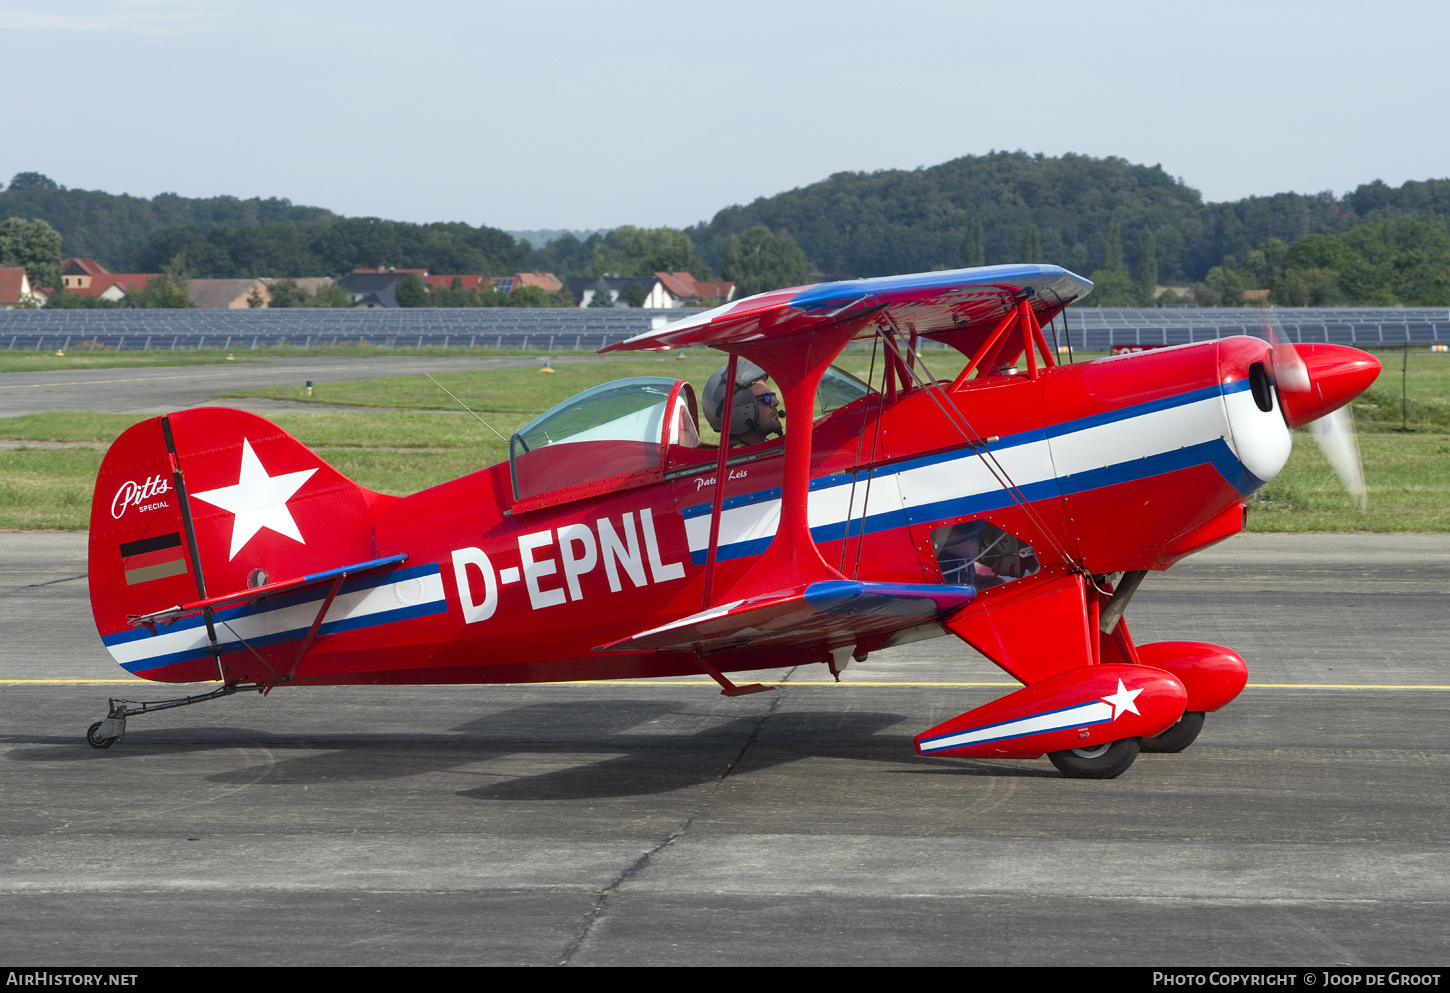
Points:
[[658, 823], [162, 390]]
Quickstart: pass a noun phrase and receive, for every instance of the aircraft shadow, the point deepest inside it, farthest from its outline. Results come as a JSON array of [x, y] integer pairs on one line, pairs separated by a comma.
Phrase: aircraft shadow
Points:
[[581, 749]]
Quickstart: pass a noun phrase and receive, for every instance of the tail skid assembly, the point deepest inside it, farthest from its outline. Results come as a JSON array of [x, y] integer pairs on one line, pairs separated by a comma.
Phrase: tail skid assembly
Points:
[[104, 734]]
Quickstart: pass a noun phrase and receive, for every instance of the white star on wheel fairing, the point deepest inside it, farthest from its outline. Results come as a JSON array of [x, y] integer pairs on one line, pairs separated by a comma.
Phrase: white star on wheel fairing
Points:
[[1122, 700], [258, 500]]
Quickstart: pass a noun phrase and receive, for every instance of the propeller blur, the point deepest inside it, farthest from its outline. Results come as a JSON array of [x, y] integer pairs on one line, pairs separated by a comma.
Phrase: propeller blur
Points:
[[1318, 399]]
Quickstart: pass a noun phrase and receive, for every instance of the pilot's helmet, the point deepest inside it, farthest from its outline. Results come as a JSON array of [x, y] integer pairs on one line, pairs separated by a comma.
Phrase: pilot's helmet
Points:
[[743, 418]]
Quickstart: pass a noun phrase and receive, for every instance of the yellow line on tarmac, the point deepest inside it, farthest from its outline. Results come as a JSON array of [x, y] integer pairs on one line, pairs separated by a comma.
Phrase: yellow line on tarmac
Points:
[[848, 682], [138, 681], [802, 682], [1344, 686]]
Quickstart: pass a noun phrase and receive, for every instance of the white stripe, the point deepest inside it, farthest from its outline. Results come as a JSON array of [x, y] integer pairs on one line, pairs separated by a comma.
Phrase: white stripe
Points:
[[1138, 437], [827, 506], [834, 504], [737, 524], [967, 475], [1149, 434], [1087, 713], [298, 617]]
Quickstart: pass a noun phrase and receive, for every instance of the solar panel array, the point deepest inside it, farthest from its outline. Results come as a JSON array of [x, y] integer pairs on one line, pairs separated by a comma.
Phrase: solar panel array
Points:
[[550, 329], [1368, 327], [542, 329]]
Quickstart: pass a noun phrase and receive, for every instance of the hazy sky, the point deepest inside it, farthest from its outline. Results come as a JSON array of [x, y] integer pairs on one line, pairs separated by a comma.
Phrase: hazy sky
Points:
[[584, 115]]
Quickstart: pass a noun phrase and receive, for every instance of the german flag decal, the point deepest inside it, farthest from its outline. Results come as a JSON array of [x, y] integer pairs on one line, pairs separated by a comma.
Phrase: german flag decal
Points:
[[153, 558]]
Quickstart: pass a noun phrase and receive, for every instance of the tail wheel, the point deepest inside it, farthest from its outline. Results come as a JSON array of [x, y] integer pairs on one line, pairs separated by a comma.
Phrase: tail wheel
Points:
[[95, 739], [1098, 762], [1179, 736]]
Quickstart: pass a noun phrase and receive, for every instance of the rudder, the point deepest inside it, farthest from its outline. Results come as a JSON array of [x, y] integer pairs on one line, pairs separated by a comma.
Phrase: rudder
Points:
[[263, 508]]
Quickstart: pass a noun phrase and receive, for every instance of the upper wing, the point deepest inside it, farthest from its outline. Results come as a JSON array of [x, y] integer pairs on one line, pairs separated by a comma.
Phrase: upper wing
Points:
[[927, 303]]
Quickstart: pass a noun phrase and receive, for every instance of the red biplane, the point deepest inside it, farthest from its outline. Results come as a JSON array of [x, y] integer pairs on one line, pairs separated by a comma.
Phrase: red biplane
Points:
[[1015, 508]]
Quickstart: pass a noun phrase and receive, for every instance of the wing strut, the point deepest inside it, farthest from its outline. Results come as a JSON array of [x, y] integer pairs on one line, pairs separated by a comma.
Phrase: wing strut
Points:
[[797, 363], [1022, 317], [316, 623], [720, 468]]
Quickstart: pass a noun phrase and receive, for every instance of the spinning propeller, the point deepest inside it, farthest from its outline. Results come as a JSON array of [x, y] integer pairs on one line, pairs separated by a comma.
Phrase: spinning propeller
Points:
[[1305, 394]]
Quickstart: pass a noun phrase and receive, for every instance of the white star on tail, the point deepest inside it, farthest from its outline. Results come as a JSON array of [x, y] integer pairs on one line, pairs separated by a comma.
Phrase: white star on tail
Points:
[[1122, 700], [258, 500]]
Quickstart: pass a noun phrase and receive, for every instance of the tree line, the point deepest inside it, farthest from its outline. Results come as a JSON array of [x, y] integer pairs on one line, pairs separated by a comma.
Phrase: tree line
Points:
[[1131, 228]]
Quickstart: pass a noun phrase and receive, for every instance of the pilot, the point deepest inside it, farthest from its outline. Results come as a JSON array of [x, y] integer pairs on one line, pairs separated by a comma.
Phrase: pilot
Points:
[[755, 409]]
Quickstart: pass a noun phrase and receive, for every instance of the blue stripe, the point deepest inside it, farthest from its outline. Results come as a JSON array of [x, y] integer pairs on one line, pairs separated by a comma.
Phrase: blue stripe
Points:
[[1015, 720], [729, 503], [877, 472], [1215, 453], [1009, 737], [1147, 407], [739, 550], [331, 627], [955, 279], [370, 564], [1008, 441], [892, 599], [977, 503], [856, 526], [278, 602]]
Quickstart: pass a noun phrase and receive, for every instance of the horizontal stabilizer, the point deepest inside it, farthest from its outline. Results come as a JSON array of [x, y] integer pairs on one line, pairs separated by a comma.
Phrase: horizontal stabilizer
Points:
[[836, 612], [248, 596]]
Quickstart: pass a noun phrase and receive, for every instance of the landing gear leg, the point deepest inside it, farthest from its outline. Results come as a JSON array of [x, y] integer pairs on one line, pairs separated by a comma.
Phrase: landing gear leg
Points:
[[104, 734]]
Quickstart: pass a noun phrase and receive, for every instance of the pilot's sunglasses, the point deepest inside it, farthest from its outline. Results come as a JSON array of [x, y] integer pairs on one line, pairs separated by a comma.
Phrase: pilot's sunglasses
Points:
[[768, 399]]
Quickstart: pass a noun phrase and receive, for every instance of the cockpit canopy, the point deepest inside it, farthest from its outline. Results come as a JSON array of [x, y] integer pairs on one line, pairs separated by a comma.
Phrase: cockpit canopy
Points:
[[619, 435], [614, 434]]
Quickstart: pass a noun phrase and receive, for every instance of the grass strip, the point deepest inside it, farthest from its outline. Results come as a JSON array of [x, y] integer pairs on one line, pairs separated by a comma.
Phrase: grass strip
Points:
[[422, 440]]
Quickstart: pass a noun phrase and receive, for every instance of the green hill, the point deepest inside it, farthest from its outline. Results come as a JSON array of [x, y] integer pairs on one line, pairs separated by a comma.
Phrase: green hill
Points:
[[1094, 216], [112, 228], [870, 224]]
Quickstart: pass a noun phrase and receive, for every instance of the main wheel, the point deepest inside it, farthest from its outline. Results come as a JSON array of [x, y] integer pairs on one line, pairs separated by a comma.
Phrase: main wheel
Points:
[[95, 739], [1179, 736], [1097, 762]]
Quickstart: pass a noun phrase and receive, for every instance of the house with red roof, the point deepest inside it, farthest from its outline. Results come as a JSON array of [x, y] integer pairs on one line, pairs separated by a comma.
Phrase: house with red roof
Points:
[[91, 279], [472, 282], [420, 273], [16, 291], [680, 289], [546, 281], [76, 274]]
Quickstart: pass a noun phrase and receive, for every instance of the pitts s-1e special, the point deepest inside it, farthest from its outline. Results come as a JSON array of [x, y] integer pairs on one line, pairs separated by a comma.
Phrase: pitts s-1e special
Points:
[[1015, 508]]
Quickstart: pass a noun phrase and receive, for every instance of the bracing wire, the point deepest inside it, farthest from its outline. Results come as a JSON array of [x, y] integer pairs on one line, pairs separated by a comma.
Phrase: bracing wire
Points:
[[249, 648], [855, 472], [870, 473], [465, 407], [978, 444]]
